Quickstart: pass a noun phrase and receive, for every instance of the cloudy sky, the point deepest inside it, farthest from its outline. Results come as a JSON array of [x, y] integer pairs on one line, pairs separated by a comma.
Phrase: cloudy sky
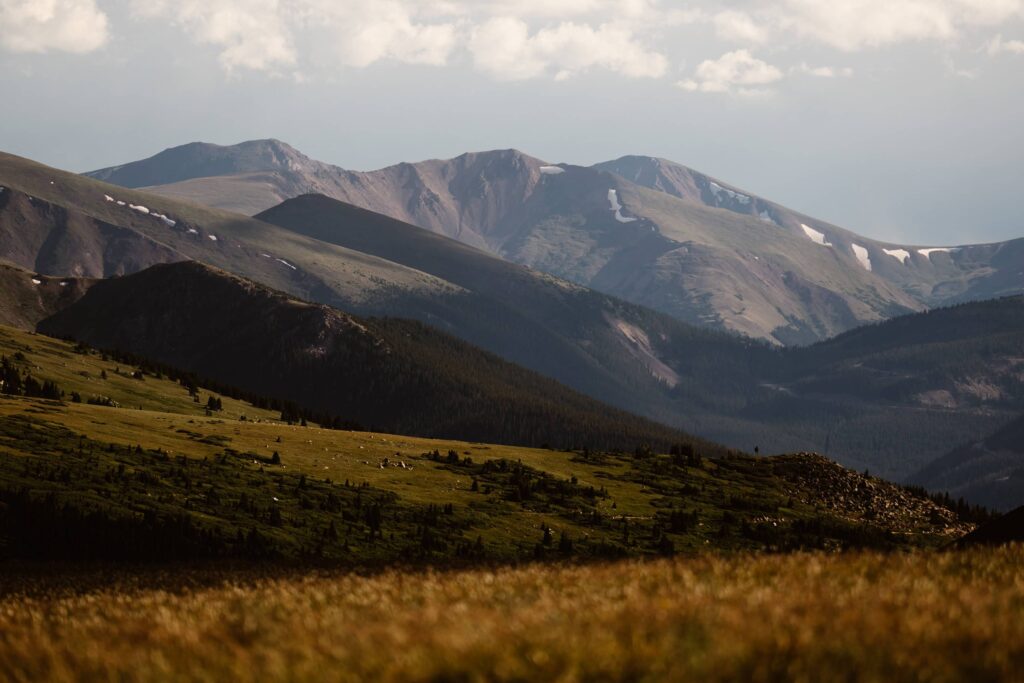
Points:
[[900, 119]]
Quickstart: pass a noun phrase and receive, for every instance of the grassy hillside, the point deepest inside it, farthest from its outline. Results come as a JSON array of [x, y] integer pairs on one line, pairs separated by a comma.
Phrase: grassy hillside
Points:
[[804, 617], [139, 458]]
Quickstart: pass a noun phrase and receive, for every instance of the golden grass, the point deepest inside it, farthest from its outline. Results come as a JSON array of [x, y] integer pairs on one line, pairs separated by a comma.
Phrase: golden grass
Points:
[[801, 617]]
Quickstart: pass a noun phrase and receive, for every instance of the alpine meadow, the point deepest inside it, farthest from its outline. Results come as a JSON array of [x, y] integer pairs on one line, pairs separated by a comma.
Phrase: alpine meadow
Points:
[[387, 341]]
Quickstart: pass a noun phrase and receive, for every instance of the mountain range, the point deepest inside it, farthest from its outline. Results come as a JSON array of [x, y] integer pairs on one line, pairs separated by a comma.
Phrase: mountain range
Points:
[[643, 229], [891, 397]]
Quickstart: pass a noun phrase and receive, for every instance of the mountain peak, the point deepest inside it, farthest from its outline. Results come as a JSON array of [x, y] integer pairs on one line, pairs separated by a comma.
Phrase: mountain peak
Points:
[[204, 159]]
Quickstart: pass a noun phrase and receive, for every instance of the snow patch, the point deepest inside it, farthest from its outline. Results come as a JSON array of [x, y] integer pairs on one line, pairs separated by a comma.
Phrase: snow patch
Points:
[[551, 170], [213, 238], [613, 199], [193, 231], [37, 281], [265, 255], [281, 260], [64, 284], [139, 208], [927, 253], [901, 254], [816, 237], [766, 217], [718, 190], [108, 197], [165, 219], [120, 203], [862, 255]]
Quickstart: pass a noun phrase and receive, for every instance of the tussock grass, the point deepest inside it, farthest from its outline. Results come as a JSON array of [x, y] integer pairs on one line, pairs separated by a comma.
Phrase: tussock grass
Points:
[[801, 617]]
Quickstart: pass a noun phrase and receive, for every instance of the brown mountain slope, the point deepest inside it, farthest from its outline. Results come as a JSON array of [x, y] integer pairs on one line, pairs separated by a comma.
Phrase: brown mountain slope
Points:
[[682, 242], [931, 275], [26, 297]]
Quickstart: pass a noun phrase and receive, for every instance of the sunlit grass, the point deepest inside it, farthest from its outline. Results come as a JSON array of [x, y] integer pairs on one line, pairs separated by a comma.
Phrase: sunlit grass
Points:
[[804, 617]]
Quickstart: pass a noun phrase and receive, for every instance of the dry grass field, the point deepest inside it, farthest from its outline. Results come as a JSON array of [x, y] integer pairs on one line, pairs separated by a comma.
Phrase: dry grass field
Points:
[[921, 616]]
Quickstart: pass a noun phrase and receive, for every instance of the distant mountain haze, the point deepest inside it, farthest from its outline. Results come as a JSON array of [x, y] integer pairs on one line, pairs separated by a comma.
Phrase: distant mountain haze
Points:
[[644, 229]]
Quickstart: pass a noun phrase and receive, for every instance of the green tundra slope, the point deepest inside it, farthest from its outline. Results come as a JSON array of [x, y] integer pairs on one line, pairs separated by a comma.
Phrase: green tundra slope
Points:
[[128, 464]]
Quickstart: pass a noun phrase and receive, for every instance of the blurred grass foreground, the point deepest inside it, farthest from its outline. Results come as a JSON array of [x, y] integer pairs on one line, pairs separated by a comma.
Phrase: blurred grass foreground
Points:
[[920, 616]]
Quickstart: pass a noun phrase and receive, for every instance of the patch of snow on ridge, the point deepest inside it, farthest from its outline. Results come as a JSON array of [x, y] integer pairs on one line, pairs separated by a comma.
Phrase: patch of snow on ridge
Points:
[[816, 237], [120, 203], [281, 260], [613, 199], [108, 197], [165, 219], [927, 253], [766, 217], [139, 208], [862, 255], [901, 254], [213, 238], [193, 231], [37, 281], [551, 170], [717, 190]]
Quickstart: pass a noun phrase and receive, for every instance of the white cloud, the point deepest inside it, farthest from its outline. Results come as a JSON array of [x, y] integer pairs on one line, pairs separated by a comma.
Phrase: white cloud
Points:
[[44, 25], [997, 45], [857, 24], [249, 33], [822, 71], [262, 34], [565, 37], [505, 48], [736, 71], [363, 33], [739, 27]]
